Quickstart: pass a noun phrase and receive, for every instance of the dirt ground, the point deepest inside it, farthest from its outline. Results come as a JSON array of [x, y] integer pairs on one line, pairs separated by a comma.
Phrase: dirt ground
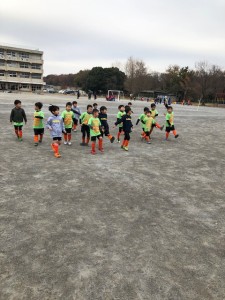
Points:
[[143, 224]]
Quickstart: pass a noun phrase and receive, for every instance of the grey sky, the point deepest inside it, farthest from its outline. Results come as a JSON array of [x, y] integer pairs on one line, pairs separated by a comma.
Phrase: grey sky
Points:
[[78, 35]]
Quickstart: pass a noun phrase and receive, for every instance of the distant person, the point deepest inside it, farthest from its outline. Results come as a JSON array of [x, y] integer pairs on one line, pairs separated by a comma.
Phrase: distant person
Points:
[[56, 126], [170, 123], [78, 94], [68, 117], [85, 129], [17, 116], [121, 112], [95, 131], [95, 105], [127, 127], [77, 112], [89, 95], [38, 124], [105, 126], [95, 95]]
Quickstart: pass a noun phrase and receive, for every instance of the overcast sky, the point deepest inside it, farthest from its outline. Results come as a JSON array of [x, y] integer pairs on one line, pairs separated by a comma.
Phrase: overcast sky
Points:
[[77, 35]]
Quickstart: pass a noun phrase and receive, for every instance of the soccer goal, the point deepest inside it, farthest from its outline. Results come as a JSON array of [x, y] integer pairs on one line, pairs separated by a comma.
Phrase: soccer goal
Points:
[[115, 95]]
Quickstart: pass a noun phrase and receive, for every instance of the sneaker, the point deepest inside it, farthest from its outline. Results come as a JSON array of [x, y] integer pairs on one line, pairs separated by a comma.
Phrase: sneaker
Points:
[[35, 144], [161, 128], [74, 130], [20, 139], [176, 136], [118, 141], [121, 146], [125, 148], [57, 155], [65, 143], [93, 152], [148, 142], [101, 150], [165, 140], [69, 143], [40, 141], [82, 144], [112, 139]]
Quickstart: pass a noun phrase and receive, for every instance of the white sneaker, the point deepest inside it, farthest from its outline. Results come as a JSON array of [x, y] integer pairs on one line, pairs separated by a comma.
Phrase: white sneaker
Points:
[[74, 130], [65, 143], [69, 143]]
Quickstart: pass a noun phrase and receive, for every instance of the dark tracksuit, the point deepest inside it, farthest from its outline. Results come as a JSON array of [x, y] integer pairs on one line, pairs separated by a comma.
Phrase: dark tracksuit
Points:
[[18, 116], [103, 119]]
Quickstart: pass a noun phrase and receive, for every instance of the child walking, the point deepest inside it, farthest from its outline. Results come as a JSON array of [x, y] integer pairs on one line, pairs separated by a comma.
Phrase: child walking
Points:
[[85, 129], [148, 122], [127, 127], [120, 114], [68, 117], [77, 112], [38, 124], [170, 123], [95, 130], [56, 126], [105, 126], [17, 116]]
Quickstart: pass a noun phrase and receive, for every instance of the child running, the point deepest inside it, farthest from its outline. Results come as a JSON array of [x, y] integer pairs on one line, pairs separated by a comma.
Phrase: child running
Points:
[[154, 114], [38, 124], [141, 118], [95, 130], [77, 112], [120, 114], [56, 126], [105, 126], [170, 123], [17, 116], [127, 127], [68, 117], [85, 129]]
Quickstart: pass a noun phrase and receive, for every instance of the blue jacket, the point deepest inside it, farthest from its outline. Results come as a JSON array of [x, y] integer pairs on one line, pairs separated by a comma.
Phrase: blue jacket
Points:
[[56, 124]]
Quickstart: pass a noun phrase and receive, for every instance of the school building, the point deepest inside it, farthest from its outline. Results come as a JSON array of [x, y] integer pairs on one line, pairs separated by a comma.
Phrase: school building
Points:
[[21, 69]]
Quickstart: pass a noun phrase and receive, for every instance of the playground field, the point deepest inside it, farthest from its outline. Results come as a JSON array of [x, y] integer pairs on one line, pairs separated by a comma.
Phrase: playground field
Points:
[[144, 224]]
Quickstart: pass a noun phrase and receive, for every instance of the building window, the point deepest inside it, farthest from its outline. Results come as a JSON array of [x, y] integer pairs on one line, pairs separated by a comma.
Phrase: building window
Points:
[[24, 66], [12, 64], [37, 67], [2, 63], [24, 75], [12, 74], [11, 53], [2, 51], [36, 76], [25, 86], [23, 55], [2, 73]]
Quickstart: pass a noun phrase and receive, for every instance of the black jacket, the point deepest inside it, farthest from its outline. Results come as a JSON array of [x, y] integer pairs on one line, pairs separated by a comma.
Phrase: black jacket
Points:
[[103, 118], [127, 123], [18, 115]]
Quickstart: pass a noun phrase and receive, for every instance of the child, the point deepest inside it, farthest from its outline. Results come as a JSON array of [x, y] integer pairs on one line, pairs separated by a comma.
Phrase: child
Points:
[[170, 123], [119, 116], [85, 129], [154, 114], [17, 116], [77, 112], [38, 124], [95, 106], [95, 129], [105, 126], [141, 118], [56, 126], [68, 116], [127, 127], [148, 122]]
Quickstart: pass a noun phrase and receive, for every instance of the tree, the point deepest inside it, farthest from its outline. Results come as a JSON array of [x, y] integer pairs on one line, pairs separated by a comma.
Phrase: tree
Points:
[[80, 79]]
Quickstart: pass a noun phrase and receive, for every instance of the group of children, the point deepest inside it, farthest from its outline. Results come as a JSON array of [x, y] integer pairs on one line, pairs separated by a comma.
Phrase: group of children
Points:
[[93, 122]]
